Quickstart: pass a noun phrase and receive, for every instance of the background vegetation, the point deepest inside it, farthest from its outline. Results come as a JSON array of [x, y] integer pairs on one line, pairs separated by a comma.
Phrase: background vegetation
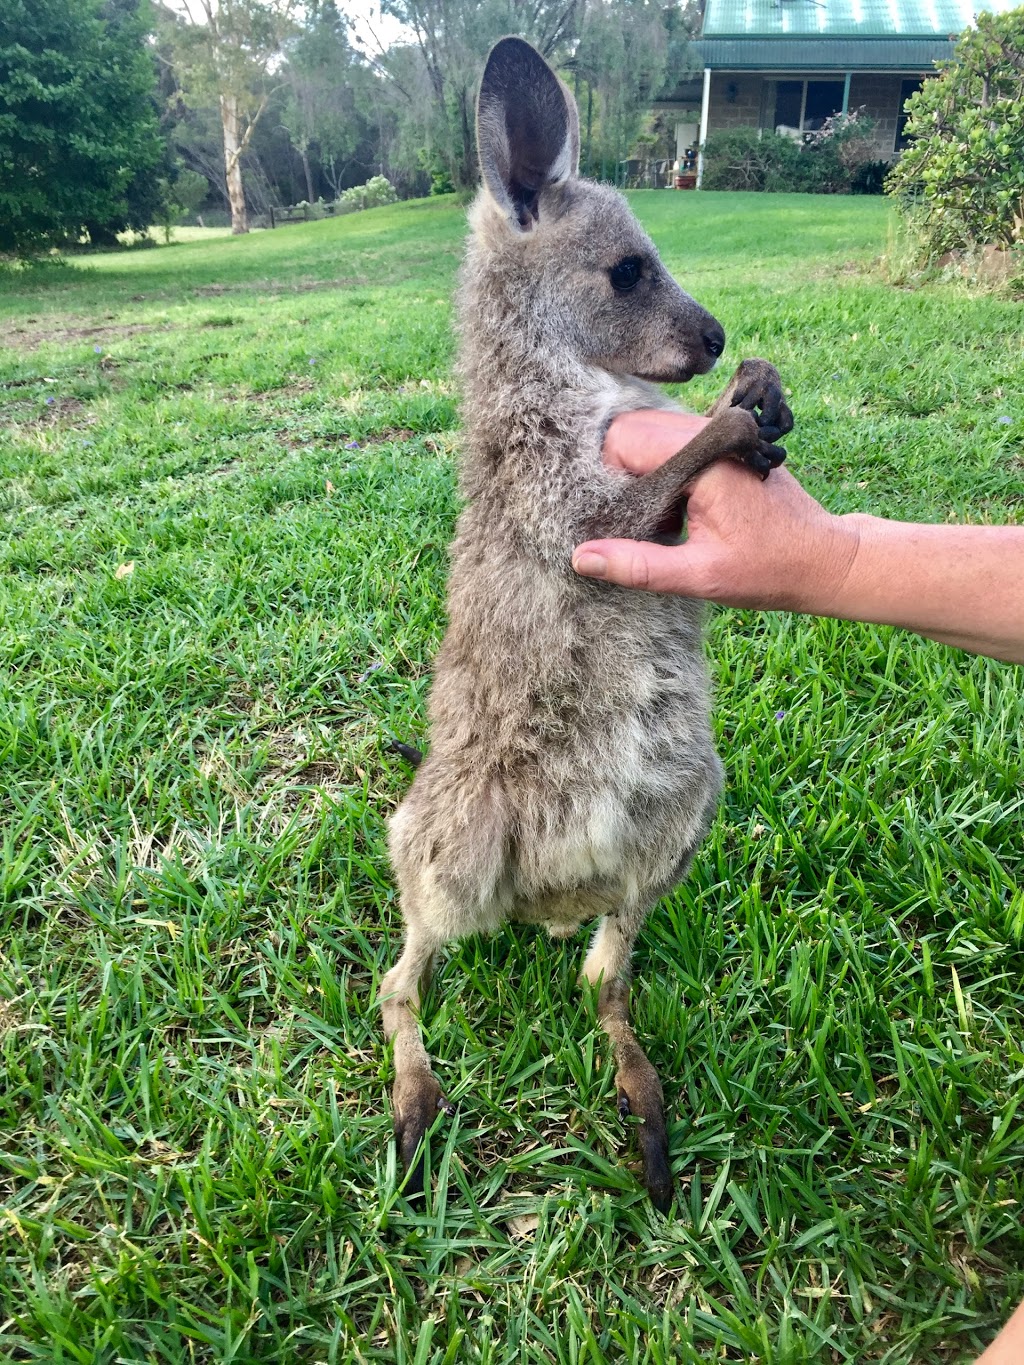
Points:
[[163, 109], [840, 158], [226, 488], [961, 183]]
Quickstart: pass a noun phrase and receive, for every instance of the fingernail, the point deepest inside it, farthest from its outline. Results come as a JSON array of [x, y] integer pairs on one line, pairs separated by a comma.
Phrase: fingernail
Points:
[[591, 564]]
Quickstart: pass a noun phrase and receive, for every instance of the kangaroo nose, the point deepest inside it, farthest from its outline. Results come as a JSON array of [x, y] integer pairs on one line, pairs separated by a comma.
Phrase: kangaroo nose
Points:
[[714, 340]]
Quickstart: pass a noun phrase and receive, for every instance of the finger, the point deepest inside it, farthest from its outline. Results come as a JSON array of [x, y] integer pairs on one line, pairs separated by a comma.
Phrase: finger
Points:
[[771, 405], [639, 564]]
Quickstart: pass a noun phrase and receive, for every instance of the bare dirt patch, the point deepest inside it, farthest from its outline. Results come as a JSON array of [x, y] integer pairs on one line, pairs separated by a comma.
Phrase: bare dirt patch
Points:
[[307, 286], [28, 338], [52, 411]]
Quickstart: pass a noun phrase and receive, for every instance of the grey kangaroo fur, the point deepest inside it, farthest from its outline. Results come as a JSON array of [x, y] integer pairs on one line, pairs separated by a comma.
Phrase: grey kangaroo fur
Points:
[[571, 772]]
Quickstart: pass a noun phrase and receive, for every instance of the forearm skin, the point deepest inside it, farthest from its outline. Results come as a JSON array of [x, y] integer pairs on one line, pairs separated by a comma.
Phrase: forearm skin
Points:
[[961, 585]]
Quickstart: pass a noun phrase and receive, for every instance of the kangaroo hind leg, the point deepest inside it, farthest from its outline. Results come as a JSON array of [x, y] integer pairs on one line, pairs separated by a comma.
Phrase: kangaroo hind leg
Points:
[[416, 1097], [639, 1090]]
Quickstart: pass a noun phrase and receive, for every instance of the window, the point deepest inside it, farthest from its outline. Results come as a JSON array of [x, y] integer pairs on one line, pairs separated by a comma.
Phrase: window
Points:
[[907, 88], [805, 105]]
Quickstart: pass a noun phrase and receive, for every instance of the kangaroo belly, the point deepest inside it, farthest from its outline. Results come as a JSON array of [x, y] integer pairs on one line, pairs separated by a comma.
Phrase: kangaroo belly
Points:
[[622, 830]]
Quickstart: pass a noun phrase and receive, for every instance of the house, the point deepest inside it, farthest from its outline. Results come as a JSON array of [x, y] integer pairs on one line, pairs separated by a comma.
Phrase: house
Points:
[[790, 64]]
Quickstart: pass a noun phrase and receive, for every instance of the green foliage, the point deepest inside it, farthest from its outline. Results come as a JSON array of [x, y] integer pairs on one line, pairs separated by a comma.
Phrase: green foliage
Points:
[[744, 159], [618, 68], [79, 134], [374, 194], [833, 160], [962, 179], [325, 106]]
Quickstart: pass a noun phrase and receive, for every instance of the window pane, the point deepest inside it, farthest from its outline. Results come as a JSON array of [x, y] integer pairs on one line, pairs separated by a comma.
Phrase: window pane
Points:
[[824, 98], [788, 98], [907, 88]]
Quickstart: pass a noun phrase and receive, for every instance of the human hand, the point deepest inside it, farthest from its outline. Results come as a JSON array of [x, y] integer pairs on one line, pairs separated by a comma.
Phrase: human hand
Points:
[[640, 442], [749, 543]]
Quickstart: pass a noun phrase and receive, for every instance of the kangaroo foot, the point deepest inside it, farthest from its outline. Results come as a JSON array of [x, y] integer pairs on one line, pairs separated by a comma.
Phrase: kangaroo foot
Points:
[[417, 1100], [640, 1095]]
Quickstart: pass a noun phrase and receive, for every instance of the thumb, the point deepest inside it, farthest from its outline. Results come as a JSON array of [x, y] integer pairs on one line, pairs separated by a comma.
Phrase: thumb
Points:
[[640, 564]]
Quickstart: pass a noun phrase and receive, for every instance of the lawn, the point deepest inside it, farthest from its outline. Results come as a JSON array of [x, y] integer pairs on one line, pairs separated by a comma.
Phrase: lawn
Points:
[[226, 487]]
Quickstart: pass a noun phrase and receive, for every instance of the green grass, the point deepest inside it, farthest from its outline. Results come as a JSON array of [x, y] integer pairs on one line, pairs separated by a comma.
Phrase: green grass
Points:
[[196, 1162]]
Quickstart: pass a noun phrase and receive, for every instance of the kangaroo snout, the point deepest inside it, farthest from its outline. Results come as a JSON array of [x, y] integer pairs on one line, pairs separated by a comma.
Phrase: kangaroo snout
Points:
[[702, 335]]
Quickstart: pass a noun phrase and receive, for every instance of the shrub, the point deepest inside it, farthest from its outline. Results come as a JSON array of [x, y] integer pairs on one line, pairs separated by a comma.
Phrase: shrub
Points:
[[742, 159], [80, 141], [837, 151], [377, 190], [961, 182], [829, 161]]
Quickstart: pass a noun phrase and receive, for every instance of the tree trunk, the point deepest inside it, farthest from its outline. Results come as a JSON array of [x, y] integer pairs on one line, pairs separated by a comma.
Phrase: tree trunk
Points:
[[467, 175], [304, 153], [590, 125], [233, 163]]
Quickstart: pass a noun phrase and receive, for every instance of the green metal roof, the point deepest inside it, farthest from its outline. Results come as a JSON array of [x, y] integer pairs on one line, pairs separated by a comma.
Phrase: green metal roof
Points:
[[843, 18], [822, 54]]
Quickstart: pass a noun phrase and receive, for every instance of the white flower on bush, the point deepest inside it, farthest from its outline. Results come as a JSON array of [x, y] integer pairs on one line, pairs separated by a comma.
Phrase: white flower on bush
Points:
[[377, 190]]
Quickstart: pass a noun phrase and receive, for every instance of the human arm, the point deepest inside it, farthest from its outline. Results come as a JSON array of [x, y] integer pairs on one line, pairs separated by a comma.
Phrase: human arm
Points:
[[1008, 1347], [770, 545]]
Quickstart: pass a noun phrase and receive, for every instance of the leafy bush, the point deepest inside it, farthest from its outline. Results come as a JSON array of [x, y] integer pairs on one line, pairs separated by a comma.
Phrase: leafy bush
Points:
[[838, 151], [377, 190], [743, 159], [80, 141], [961, 182], [829, 161]]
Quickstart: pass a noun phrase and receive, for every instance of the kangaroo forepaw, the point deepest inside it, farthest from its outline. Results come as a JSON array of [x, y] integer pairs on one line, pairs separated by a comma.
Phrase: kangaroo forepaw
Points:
[[758, 389], [764, 458], [653, 1141], [416, 1102]]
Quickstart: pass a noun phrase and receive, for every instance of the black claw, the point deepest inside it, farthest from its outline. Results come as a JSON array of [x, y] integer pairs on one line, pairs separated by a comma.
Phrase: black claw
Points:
[[759, 463], [624, 1109], [445, 1106]]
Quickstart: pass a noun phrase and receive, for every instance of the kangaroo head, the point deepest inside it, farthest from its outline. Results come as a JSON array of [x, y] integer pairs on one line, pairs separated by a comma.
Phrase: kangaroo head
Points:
[[591, 278]]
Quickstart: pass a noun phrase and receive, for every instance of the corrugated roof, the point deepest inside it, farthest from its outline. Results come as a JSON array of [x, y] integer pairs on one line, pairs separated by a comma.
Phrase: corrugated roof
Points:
[[822, 54], [843, 18]]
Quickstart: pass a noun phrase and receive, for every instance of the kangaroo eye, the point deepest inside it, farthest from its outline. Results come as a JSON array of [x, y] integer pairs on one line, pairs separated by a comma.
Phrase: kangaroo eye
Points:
[[626, 275]]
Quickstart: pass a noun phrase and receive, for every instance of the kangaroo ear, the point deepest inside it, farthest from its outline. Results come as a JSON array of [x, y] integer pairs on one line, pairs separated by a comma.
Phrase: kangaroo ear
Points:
[[527, 129]]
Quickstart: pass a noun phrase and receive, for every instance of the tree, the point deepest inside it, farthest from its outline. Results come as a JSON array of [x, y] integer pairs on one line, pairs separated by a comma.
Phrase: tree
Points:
[[962, 178], [325, 86], [452, 40], [223, 52], [619, 68], [80, 144]]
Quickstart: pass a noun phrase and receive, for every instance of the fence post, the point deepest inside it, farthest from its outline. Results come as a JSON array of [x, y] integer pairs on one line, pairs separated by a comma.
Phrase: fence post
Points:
[[272, 223]]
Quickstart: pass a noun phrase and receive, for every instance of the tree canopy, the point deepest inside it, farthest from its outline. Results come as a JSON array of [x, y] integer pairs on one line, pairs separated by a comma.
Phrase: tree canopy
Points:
[[266, 102], [80, 142], [962, 178]]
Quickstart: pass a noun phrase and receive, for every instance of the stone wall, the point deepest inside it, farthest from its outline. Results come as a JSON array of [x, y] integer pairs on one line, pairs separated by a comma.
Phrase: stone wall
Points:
[[735, 100], [880, 98]]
